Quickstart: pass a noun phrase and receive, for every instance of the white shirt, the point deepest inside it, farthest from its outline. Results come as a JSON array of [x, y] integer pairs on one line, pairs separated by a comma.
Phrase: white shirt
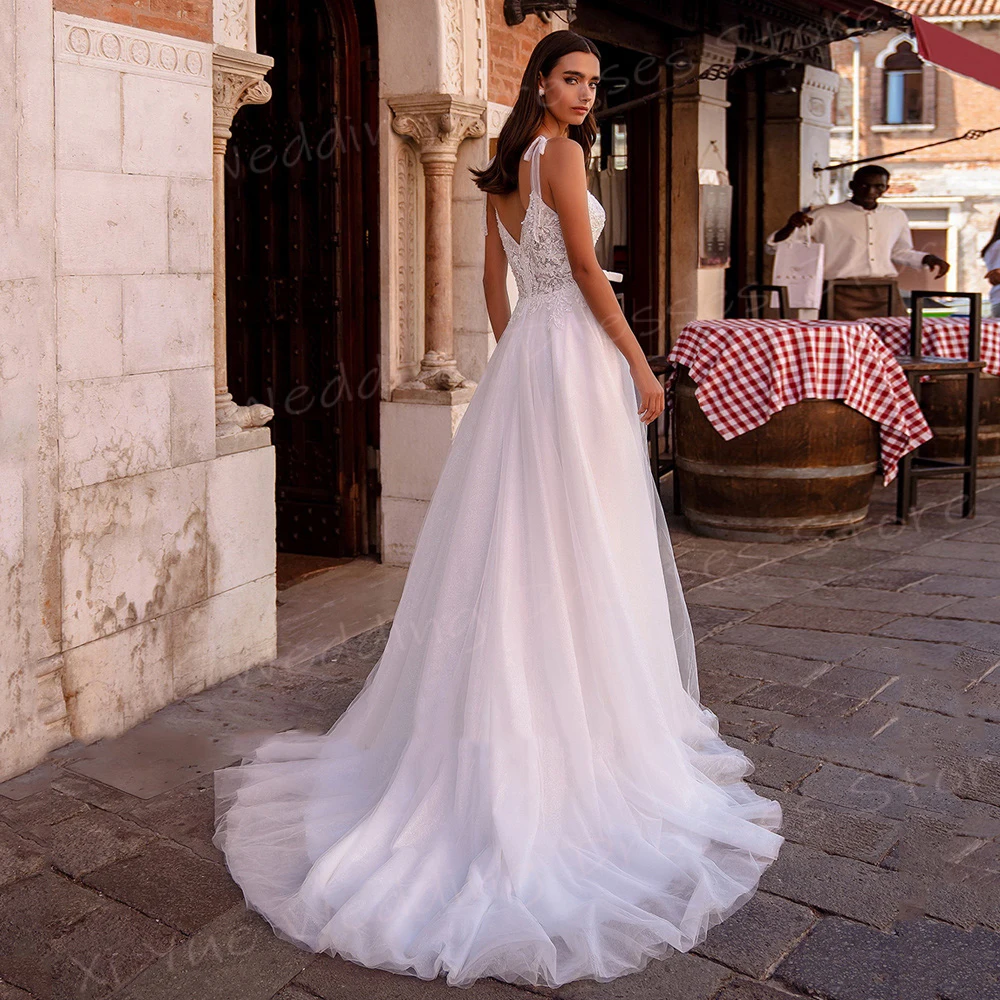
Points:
[[991, 259], [860, 242]]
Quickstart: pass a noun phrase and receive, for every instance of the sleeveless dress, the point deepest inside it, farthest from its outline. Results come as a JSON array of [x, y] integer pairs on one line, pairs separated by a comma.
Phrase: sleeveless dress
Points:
[[526, 787]]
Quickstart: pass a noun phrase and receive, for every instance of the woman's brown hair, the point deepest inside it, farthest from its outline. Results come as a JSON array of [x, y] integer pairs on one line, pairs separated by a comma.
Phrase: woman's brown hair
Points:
[[500, 175]]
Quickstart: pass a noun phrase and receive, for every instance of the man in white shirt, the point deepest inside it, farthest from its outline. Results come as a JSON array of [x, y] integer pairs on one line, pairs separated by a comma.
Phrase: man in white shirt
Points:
[[864, 241]]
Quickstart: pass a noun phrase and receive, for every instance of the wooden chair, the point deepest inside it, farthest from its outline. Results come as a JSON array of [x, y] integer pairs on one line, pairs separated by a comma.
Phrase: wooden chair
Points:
[[755, 299], [913, 467], [832, 285], [662, 464]]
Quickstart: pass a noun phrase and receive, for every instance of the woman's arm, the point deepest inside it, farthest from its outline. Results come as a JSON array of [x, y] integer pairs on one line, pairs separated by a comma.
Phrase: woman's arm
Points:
[[567, 182], [495, 275]]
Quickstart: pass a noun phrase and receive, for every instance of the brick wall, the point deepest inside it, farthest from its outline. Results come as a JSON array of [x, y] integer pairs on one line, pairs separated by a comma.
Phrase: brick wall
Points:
[[509, 50], [185, 18], [958, 103]]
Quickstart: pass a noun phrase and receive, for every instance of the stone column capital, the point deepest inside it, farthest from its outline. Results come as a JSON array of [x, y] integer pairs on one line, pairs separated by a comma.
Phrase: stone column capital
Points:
[[438, 123], [237, 79]]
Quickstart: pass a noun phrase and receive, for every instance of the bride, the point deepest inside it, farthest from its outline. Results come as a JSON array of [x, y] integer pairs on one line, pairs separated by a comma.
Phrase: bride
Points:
[[527, 786]]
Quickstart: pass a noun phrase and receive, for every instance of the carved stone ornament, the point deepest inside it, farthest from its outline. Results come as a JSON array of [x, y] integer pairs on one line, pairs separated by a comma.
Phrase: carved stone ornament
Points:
[[438, 123], [237, 79]]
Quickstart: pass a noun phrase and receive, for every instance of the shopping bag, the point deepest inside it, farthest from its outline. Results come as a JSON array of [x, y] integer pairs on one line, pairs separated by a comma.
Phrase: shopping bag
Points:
[[798, 264]]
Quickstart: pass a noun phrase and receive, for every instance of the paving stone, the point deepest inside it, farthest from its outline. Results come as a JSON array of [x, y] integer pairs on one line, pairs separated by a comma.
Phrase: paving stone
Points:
[[845, 960], [94, 793], [808, 644], [8, 992], [19, 858], [775, 768], [716, 686], [756, 663], [878, 578], [716, 595], [837, 830], [758, 935], [978, 635], [889, 797], [981, 609], [690, 579], [292, 992], [89, 840], [716, 563], [846, 554], [747, 989], [951, 567], [980, 533], [237, 955], [38, 779], [750, 724], [705, 620], [169, 883], [921, 960], [864, 740], [794, 700], [953, 549], [803, 571], [835, 884], [177, 744], [853, 682], [965, 586], [41, 809], [983, 700], [865, 599], [828, 619], [899, 656], [185, 815], [63, 942]]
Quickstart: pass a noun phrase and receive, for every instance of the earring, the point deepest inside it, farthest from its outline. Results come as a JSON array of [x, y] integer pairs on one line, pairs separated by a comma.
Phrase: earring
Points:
[[541, 91]]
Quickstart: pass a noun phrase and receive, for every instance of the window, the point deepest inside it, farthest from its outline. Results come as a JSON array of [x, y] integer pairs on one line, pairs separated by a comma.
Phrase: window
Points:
[[904, 86]]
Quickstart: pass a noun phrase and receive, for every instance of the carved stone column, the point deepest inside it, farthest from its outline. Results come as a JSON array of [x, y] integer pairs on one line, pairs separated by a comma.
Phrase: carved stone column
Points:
[[438, 123], [237, 79]]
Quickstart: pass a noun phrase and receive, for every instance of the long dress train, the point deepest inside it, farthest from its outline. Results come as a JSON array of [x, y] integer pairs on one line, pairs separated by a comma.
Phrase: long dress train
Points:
[[527, 786]]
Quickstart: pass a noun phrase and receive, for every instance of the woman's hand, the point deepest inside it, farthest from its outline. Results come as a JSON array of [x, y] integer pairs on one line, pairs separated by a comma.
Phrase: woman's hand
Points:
[[993, 277], [650, 393]]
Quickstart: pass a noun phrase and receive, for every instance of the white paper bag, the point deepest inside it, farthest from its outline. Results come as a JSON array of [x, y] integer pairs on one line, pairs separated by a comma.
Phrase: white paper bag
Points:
[[798, 264]]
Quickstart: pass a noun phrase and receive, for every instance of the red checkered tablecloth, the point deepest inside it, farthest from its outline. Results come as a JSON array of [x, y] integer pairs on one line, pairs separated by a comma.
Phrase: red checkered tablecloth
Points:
[[748, 369], [943, 337]]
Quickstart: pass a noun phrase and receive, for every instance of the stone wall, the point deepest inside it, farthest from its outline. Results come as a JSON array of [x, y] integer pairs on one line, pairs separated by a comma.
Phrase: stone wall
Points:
[[140, 565]]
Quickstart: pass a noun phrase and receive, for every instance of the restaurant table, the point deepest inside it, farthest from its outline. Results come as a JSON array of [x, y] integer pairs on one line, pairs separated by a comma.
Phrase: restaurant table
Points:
[[780, 425], [942, 397]]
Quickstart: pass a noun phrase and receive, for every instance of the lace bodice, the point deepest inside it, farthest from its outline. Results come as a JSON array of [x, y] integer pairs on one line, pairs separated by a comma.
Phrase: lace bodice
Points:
[[539, 260]]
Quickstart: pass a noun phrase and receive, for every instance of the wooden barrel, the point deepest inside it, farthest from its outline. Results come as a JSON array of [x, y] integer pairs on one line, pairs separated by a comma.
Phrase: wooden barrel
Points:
[[942, 398], [807, 472]]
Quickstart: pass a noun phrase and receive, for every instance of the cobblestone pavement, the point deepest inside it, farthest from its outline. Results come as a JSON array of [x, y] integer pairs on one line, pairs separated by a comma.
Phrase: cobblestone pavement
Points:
[[859, 675]]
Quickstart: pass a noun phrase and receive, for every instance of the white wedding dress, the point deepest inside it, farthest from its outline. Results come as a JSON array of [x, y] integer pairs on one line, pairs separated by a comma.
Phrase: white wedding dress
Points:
[[526, 787]]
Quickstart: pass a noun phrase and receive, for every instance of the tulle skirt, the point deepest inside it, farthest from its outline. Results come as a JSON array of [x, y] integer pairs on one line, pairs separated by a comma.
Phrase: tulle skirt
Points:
[[527, 786]]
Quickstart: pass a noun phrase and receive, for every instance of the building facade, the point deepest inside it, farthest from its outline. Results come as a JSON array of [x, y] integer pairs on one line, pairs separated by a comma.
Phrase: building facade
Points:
[[889, 101], [241, 293]]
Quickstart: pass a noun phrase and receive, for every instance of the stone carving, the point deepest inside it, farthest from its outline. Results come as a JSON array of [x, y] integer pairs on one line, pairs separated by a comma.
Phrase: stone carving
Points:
[[438, 123], [237, 80], [135, 50], [232, 23]]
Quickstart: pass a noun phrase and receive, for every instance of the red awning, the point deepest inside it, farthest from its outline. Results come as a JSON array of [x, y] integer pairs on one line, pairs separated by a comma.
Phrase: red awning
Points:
[[951, 50]]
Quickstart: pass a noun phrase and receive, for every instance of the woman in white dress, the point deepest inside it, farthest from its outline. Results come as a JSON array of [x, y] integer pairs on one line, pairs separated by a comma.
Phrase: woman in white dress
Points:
[[527, 786], [991, 258]]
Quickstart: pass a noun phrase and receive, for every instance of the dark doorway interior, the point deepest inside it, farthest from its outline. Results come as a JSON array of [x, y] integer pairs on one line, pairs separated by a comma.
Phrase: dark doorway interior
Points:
[[302, 269]]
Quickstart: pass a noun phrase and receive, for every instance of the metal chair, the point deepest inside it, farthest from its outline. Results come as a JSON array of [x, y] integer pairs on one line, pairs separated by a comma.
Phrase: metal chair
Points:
[[755, 297], [915, 365]]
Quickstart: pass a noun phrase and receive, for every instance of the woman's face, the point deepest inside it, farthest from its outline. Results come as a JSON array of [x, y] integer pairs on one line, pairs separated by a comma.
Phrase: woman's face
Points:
[[571, 87]]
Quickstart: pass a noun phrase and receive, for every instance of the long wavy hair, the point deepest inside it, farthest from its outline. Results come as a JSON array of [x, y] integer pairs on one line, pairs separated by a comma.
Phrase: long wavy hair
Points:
[[500, 175], [993, 238]]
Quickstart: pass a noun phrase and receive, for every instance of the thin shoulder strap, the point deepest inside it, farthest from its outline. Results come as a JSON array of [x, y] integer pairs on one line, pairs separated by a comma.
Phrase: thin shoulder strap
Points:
[[534, 151]]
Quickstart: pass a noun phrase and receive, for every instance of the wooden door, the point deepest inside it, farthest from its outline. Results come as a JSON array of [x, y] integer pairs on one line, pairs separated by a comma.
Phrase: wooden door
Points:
[[301, 269]]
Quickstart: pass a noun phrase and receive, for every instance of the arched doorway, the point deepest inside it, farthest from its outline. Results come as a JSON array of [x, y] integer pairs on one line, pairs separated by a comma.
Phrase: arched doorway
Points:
[[302, 269]]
